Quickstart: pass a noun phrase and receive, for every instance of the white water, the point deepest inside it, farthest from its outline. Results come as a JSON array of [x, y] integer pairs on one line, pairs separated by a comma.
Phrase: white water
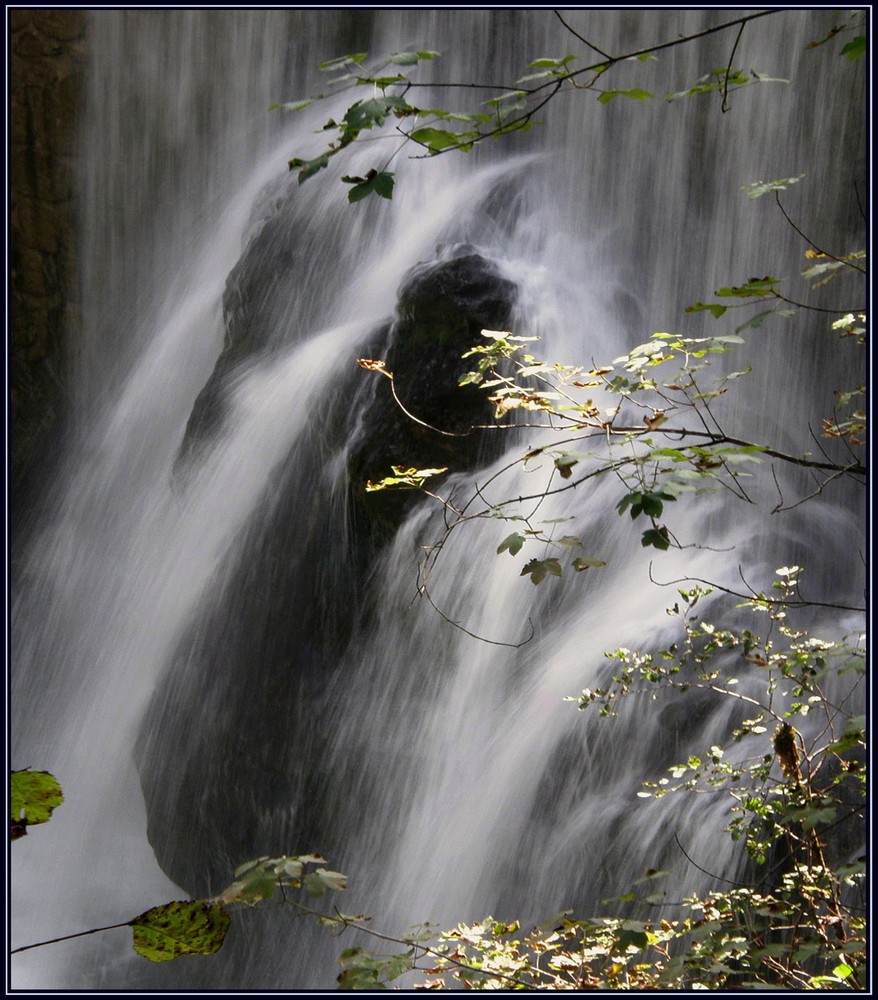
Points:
[[456, 780]]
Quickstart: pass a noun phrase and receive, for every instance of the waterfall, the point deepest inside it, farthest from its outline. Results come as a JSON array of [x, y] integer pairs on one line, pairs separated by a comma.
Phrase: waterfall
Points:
[[215, 652]]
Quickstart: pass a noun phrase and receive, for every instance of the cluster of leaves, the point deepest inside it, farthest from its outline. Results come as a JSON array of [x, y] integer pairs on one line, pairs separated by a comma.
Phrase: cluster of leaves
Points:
[[437, 130], [793, 926], [662, 435], [652, 471], [789, 792], [199, 926]]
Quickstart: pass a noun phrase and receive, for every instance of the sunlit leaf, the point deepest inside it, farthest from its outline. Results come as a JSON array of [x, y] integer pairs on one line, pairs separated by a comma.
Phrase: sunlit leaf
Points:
[[754, 287], [758, 188]]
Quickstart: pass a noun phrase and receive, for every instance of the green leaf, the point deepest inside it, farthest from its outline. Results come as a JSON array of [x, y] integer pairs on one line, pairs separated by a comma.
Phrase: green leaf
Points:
[[258, 880], [658, 539], [321, 881], [635, 95], [373, 183], [511, 544], [411, 58], [307, 168], [404, 58], [331, 65], [539, 569], [32, 797], [517, 97], [753, 287], [367, 114], [856, 48], [630, 499], [581, 563], [713, 307], [631, 939], [438, 139], [564, 462], [185, 927], [755, 321], [550, 63], [292, 105], [758, 188]]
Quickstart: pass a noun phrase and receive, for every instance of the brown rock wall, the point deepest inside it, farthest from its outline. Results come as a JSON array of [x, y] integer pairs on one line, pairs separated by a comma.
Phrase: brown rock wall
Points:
[[48, 57]]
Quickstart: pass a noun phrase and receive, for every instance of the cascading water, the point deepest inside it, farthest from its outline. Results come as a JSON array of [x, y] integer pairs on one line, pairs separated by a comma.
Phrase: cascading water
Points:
[[212, 642]]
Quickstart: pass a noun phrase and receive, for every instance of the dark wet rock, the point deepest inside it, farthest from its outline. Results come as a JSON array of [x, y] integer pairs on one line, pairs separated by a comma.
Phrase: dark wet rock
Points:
[[233, 745], [443, 306]]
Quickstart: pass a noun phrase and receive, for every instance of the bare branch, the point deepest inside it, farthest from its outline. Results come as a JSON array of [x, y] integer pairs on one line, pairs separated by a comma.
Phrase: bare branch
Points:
[[804, 305], [725, 91], [752, 596], [584, 41], [811, 243]]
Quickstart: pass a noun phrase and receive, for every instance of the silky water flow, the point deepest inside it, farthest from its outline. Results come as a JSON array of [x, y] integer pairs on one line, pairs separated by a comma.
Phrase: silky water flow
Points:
[[215, 648]]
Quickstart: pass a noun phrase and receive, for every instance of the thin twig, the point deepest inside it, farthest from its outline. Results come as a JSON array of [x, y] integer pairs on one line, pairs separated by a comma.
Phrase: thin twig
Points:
[[584, 41], [69, 937], [725, 104], [804, 305], [753, 596], [811, 243], [704, 871], [423, 590]]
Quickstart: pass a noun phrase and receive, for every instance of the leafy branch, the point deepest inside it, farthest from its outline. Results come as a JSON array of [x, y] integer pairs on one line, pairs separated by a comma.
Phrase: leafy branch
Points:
[[440, 130]]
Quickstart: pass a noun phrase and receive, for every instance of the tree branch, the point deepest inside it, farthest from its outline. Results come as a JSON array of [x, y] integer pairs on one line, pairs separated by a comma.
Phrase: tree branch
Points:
[[584, 41], [811, 243], [725, 91]]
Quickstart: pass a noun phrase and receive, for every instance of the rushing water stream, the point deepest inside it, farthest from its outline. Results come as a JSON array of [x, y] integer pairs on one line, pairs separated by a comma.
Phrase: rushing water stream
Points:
[[206, 650]]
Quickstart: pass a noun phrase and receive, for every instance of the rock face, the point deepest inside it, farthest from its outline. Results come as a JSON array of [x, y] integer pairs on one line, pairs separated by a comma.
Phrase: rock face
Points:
[[232, 749], [46, 73], [443, 307]]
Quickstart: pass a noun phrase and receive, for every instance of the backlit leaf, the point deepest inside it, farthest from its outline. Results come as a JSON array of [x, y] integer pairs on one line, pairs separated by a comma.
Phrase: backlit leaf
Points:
[[321, 881], [856, 48], [32, 797], [511, 544], [635, 95], [307, 168], [539, 569], [185, 927], [581, 563]]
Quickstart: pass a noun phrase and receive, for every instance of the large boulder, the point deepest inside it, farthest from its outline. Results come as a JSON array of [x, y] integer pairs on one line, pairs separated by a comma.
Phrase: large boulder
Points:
[[233, 747], [443, 306]]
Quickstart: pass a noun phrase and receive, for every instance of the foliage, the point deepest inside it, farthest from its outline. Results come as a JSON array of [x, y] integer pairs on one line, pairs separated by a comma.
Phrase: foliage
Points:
[[512, 108], [437, 130], [796, 924], [651, 419], [793, 764], [199, 926], [33, 797]]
